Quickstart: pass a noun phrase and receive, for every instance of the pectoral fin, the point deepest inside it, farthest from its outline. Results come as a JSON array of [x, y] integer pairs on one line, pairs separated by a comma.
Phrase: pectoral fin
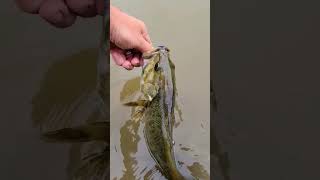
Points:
[[179, 113], [171, 64], [136, 103], [137, 113], [130, 91]]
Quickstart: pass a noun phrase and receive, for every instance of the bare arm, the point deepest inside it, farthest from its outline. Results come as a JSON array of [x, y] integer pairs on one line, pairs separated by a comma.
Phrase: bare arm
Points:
[[127, 32]]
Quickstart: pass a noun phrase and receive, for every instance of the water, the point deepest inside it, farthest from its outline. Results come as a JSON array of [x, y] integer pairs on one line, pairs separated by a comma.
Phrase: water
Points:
[[184, 29], [269, 135], [44, 69]]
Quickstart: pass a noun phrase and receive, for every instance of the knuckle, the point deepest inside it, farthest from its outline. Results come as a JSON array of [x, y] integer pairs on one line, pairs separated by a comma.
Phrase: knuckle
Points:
[[143, 25], [28, 6], [83, 8]]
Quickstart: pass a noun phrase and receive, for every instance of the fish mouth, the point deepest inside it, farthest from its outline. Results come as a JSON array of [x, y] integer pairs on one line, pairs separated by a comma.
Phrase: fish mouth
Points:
[[163, 48], [148, 55], [145, 63], [129, 53]]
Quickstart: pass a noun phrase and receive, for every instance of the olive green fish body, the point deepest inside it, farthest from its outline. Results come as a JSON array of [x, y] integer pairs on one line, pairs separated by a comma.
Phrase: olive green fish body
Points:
[[159, 140], [156, 107], [159, 117]]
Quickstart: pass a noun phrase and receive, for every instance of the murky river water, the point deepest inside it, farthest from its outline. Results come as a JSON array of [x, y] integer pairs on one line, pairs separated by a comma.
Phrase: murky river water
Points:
[[267, 136], [185, 29], [49, 74]]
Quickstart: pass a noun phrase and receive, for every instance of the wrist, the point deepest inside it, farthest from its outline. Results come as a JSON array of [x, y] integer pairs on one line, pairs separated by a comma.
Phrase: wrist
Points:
[[114, 16], [114, 12]]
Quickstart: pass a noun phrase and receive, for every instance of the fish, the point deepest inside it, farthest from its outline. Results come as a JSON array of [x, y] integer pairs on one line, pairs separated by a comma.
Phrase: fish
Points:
[[155, 107]]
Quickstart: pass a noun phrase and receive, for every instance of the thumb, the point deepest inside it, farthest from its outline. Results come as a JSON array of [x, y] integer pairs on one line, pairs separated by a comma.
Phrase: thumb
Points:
[[143, 45]]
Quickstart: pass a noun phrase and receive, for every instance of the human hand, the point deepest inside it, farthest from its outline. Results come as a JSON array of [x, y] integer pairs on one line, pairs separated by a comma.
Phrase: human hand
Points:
[[127, 33], [62, 13]]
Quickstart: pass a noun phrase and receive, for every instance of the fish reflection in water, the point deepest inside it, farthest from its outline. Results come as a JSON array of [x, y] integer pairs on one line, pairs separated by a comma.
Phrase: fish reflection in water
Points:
[[67, 109]]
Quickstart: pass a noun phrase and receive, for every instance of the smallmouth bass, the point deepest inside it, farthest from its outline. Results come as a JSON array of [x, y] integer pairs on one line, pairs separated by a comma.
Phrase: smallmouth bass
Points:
[[155, 107]]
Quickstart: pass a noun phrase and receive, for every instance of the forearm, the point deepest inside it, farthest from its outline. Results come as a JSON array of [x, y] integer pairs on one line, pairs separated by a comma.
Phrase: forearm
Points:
[[113, 9]]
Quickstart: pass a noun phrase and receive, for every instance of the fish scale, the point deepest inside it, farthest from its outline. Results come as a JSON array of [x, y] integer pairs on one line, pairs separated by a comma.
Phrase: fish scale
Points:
[[156, 109], [159, 114]]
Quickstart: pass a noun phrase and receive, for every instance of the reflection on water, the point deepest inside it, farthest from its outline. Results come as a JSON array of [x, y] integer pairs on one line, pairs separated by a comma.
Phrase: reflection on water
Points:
[[184, 28], [138, 164], [198, 171], [68, 102], [129, 147]]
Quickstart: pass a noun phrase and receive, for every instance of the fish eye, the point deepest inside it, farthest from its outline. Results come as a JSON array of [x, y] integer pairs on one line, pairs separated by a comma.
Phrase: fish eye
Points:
[[156, 67]]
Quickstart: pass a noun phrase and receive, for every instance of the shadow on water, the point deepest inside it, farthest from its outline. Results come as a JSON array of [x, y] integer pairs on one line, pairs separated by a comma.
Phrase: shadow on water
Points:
[[129, 132], [129, 146], [66, 105], [198, 171]]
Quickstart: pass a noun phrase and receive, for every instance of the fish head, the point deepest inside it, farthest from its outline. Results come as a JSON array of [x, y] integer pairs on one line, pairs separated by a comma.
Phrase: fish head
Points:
[[151, 73]]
